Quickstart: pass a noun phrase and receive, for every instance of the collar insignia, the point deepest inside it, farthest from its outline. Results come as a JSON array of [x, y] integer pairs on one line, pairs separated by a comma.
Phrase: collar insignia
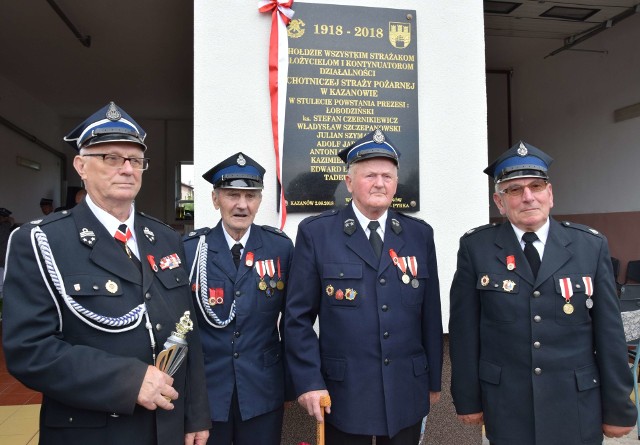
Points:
[[349, 226], [87, 236], [395, 226], [150, 235]]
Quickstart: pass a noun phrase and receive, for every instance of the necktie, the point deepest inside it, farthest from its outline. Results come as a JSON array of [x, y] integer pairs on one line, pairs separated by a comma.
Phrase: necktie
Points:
[[531, 252], [235, 253], [374, 238], [123, 234]]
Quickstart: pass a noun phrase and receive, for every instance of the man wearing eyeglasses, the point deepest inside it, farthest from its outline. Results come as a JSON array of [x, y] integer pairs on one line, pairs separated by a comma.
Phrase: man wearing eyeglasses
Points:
[[91, 296], [537, 347]]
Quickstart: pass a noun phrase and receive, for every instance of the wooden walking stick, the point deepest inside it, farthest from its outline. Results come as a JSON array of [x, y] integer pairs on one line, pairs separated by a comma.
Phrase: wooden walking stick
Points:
[[324, 401]]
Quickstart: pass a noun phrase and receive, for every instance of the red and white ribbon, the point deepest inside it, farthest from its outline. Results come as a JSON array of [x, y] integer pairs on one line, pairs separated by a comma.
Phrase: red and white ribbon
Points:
[[271, 271], [588, 286], [281, 14], [566, 288]]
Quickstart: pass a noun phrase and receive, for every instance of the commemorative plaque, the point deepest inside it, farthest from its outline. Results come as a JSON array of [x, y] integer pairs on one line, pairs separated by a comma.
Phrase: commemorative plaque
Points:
[[351, 70]]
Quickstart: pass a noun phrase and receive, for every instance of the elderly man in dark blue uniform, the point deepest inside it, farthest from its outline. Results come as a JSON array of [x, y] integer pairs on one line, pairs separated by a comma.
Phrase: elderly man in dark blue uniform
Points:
[[370, 275], [537, 346], [239, 273], [91, 296]]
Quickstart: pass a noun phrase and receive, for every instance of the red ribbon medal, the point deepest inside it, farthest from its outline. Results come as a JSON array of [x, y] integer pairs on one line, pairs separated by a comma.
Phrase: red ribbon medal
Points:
[[511, 262], [567, 292]]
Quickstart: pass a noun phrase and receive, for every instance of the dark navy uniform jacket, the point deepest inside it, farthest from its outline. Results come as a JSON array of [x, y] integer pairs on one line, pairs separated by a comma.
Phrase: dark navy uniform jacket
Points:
[[380, 352], [248, 352], [90, 379], [541, 376]]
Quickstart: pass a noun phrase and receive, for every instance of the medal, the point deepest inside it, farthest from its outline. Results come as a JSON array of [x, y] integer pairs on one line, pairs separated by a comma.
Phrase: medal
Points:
[[588, 289], [329, 290], [272, 284], [589, 303], [339, 294], [413, 268], [280, 283], [484, 281], [415, 283], [248, 259], [508, 285], [262, 285], [566, 288], [152, 262], [269, 292], [400, 263], [511, 262], [271, 272], [405, 278], [350, 294], [111, 287], [260, 268]]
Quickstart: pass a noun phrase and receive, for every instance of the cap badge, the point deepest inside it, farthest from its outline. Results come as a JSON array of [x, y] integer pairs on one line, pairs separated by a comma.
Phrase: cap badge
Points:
[[522, 150], [378, 136], [112, 113], [241, 161]]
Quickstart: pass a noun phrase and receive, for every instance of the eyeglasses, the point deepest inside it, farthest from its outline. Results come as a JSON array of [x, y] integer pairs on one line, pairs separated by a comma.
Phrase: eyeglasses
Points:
[[517, 190], [118, 161]]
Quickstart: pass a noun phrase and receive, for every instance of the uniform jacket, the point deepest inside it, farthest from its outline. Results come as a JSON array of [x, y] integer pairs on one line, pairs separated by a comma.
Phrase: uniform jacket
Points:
[[380, 347], [248, 352], [90, 379], [540, 375]]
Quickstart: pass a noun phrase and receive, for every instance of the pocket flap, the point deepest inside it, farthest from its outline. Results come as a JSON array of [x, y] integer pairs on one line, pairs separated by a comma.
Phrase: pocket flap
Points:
[[342, 270], [172, 278], [334, 368], [420, 364], [273, 355], [87, 285], [489, 372], [508, 283], [587, 377]]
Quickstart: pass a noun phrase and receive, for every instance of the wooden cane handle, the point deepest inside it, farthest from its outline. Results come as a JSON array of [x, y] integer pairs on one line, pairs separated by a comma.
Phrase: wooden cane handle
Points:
[[324, 402]]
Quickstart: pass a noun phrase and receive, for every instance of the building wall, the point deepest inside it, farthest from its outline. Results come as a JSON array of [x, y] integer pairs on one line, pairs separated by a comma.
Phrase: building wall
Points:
[[232, 112]]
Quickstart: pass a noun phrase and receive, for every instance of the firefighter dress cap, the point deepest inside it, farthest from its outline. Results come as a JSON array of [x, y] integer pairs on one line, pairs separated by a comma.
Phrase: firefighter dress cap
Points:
[[109, 124], [238, 171], [520, 161], [46, 201], [374, 145], [5, 212]]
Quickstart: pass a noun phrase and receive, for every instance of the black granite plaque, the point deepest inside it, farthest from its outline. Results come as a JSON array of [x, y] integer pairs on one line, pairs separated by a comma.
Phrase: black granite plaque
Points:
[[352, 69]]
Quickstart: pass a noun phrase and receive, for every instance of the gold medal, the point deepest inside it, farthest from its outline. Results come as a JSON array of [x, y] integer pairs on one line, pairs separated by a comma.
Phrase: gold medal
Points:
[[111, 287], [280, 285], [262, 285], [568, 308], [405, 278]]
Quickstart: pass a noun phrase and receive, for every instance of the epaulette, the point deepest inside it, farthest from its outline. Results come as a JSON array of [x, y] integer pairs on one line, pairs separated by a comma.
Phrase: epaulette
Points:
[[153, 218], [275, 230], [415, 218], [197, 233], [480, 228], [48, 219], [582, 227], [331, 212]]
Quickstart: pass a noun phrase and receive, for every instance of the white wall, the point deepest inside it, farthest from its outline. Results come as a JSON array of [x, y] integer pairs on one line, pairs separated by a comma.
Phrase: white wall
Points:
[[232, 112], [564, 105], [21, 188]]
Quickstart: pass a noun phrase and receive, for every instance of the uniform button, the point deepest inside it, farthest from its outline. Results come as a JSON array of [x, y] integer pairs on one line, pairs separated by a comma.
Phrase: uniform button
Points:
[[238, 293], [577, 286], [341, 274], [384, 308], [158, 327], [536, 294], [114, 415], [536, 345], [387, 361], [537, 371], [70, 419], [382, 281], [236, 355], [236, 334], [537, 319], [147, 296], [385, 335], [96, 287], [177, 279]]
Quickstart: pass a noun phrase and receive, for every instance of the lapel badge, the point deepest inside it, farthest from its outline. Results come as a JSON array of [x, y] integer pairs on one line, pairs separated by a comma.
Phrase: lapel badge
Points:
[[329, 290], [152, 262], [87, 236], [508, 285], [76, 287], [248, 259], [339, 294], [111, 287], [350, 294], [484, 281], [349, 226], [511, 262], [395, 226], [150, 235]]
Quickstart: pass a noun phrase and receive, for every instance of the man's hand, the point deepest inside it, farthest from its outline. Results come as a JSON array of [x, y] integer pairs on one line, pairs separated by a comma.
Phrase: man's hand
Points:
[[311, 402], [434, 397], [199, 438], [615, 431], [156, 390], [471, 419]]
